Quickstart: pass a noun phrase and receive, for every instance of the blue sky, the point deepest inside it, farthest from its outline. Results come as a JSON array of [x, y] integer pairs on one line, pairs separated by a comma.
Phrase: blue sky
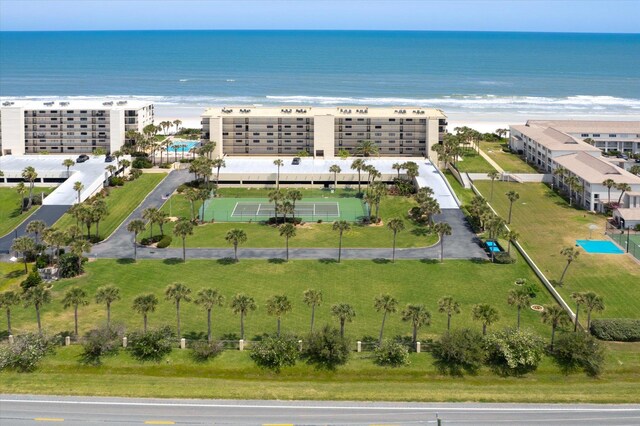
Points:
[[608, 16]]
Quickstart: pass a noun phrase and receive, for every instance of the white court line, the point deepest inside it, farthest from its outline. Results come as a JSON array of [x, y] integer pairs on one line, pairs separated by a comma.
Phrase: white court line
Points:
[[234, 209], [332, 407]]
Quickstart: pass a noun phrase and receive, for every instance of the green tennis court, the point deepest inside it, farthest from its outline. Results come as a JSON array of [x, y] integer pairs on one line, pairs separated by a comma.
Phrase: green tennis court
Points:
[[259, 209]]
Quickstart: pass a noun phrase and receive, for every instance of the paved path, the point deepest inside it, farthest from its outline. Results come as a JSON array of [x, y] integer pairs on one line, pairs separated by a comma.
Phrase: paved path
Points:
[[461, 244], [490, 161], [26, 410], [48, 214]]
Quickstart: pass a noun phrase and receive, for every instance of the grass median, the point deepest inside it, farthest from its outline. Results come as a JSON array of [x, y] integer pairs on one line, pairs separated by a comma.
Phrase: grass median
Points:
[[10, 215]]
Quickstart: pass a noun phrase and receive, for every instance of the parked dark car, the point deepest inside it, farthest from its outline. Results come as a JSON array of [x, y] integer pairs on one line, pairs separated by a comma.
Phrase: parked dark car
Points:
[[296, 161], [108, 159], [82, 158]]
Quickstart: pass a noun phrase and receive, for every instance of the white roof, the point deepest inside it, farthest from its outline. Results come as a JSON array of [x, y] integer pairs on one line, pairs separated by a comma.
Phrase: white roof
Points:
[[310, 111], [595, 170], [629, 214], [72, 104], [590, 126], [553, 139]]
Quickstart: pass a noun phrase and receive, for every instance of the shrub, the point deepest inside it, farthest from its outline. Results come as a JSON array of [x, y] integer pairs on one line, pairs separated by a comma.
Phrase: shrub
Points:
[[25, 354], [32, 280], [573, 351], [616, 329], [134, 173], [140, 154], [68, 266], [459, 350], [141, 163], [513, 352], [164, 242], [326, 348], [532, 288], [273, 353], [181, 188], [151, 346], [116, 181], [99, 343], [503, 258], [391, 354], [202, 351], [319, 220]]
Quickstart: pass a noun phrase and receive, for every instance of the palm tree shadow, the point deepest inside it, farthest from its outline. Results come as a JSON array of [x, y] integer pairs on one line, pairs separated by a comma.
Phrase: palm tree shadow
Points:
[[327, 261], [226, 261], [430, 261], [381, 261], [172, 261], [125, 261], [277, 260], [421, 232], [14, 274]]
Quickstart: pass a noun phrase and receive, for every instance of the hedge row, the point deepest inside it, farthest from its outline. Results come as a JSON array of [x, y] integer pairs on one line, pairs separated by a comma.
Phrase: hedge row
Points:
[[616, 329]]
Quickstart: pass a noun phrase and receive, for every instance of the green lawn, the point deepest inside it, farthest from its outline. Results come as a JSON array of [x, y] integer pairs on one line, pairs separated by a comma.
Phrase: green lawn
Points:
[[10, 216], [120, 202], [547, 224], [472, 162], [233, 375], [309, 235], [11, 274], [354, 282], [508, 161]]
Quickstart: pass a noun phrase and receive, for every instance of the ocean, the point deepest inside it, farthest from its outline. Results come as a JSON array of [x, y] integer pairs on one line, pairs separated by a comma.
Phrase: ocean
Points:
[[472, 73]]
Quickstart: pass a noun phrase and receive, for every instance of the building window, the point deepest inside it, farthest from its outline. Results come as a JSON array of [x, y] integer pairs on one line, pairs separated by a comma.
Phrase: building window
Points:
[[584, 135], [612, 135], [596, 135], [378, 127]]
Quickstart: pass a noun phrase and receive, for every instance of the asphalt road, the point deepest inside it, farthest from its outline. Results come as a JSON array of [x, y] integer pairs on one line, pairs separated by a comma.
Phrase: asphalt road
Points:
[[26, 410], [48, 214]]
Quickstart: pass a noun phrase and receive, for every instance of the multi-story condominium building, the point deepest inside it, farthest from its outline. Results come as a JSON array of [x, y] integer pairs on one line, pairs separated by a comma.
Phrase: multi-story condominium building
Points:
[[322, 131], [68, 127], [553, 144]]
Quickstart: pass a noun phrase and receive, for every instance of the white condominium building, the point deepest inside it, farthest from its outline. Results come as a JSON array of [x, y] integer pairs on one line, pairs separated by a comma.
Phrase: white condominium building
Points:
[[69, 127], [322, 131]]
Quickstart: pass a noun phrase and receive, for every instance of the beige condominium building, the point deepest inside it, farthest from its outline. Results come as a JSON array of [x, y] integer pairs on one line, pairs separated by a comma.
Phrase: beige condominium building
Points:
[[551, 144], [69, 127], [322, 131]]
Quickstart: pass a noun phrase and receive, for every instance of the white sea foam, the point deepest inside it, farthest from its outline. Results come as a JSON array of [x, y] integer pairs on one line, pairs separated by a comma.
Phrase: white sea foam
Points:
[[182, 80]]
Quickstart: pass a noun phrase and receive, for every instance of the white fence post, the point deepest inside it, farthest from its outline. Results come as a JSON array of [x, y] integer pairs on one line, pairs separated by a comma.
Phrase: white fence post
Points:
[[11, 340], [183, 343], [67, 340], [418, 347], [124, 342], [241, 344], [359, 346]]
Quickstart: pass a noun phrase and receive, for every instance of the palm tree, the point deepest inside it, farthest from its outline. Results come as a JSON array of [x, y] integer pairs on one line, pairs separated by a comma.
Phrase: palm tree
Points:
[[29, 174], [572, 182], [136, 226], [396, 225], [78, 187], [111, 169], [144, 304], [447, 305], [513, 196], [182, 229], [344, 313], [75, 297], [278, 163], [519, 298], [635, 170], [335, 169], [493, 175], [341, 226], [37, 297], [570, 254], [23, 245], [366, 148], [419, 316], [358, 165], [21, 190], [162, 218], [397, 167], [510, 236], [485, 313], [555, 316], [592, 302], [624, 187], [177, 123], [68, 163], [150, 214], [236, 237], [78, 248], [578, 297], [411, 169], [99, 210], [7, 300], [218, 163], [442, 229], [108, 294], [312, 298], [36, 227], [293, 195], [57, 238], [209, 298], [275, 197], [242, 304], [178, 293], [278, 306], [287, 231], [609, 183], [388, 305]]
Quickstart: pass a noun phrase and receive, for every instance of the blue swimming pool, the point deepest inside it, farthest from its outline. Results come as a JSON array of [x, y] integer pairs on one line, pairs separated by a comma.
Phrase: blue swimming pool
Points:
[[178, 145], [599, 246]]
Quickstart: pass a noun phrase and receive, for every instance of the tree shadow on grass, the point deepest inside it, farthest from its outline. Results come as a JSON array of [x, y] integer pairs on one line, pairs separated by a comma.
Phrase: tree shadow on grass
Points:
[[327, 260], [479, 260], [277, 260], [421, 232], [173, 261], [381, 261], [15, 274], [125, 261], [226, 261], [430, 261], [195, 335]]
